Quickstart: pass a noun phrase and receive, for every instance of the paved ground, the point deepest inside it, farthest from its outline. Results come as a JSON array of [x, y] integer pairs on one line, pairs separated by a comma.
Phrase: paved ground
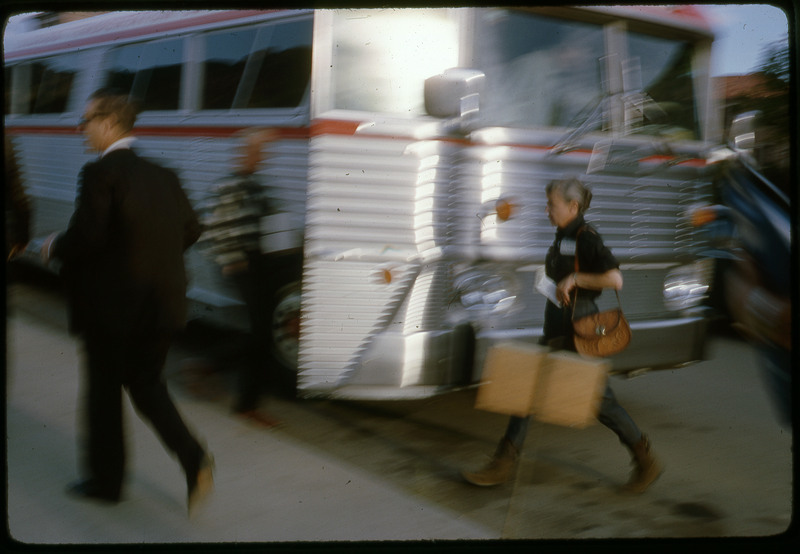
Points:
[[269, 486], [389, 471]]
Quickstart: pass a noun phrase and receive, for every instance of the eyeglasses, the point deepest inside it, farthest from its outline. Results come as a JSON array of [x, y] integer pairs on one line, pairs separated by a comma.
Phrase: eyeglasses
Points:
[[86, 119]]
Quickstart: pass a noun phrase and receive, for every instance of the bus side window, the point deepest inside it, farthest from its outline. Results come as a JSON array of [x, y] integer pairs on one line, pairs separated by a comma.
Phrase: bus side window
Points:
[[149, 72], [226, 57], [8, 74], [282, 67], [250, 69], [41, 86]]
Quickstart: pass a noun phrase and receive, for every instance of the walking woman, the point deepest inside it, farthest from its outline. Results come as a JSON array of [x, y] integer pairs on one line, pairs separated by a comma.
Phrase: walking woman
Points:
[[567, 201]]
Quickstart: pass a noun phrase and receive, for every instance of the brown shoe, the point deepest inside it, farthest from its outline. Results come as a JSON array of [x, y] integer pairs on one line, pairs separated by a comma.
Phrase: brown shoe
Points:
[[647, 468], [201, 485], [499, 469]]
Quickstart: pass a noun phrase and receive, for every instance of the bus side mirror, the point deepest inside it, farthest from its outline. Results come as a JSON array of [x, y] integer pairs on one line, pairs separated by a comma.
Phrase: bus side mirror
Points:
[[455, 93], [742, 134]]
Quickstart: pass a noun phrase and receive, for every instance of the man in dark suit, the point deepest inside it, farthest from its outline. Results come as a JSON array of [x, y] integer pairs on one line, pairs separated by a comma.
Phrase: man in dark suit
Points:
[[122, 260]]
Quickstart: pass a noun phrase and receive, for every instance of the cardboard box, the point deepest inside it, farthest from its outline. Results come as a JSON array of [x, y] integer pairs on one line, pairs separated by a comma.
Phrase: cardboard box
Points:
[[561, 388], [509, 377], [569, 389]]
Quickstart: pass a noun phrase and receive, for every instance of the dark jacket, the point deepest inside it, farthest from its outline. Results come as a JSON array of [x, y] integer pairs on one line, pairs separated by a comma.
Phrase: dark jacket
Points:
[[593, 257], [123, 251], [231, 218], [18, 204]]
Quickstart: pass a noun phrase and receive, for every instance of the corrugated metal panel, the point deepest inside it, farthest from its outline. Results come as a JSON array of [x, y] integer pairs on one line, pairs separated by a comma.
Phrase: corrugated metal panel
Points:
[[486, 174], [640, 217], [381, 196], [202, 161], [344, 304], [50, 165], [382, 204]]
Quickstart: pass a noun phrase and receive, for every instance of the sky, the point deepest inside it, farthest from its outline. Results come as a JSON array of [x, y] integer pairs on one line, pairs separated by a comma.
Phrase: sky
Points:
[[741, 33]]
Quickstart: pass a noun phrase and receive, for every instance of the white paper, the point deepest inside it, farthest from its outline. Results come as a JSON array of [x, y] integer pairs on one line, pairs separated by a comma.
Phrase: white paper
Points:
[[546, 286]]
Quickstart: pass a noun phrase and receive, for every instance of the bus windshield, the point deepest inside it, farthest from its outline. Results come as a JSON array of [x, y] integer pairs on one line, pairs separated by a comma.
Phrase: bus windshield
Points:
[[540, 71], [547, 72], [666, 75]]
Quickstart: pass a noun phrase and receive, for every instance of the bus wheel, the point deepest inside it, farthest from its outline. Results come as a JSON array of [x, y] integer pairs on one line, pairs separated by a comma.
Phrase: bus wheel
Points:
[[286, 335]]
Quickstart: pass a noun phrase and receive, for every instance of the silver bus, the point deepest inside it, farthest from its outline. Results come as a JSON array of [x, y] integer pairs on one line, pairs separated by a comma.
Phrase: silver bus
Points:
[[415, 148]]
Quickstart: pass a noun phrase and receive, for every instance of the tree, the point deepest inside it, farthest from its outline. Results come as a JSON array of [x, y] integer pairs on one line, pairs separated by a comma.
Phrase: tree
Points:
[[774, 131], [775, 62]]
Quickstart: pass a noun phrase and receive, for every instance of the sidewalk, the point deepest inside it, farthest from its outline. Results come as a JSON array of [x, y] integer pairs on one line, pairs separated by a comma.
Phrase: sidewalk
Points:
[[338, 471], [269, 487]]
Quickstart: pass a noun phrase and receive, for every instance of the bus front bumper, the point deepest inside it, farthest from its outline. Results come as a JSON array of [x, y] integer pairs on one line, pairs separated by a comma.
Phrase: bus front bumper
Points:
[[421, 365], [659, 344]]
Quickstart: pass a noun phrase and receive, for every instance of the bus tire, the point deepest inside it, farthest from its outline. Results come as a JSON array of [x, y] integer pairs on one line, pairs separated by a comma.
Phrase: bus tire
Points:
[[284, 337]]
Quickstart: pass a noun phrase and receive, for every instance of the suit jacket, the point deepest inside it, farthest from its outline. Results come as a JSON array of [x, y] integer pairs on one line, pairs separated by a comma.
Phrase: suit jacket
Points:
[[18, 204], [122, 254]]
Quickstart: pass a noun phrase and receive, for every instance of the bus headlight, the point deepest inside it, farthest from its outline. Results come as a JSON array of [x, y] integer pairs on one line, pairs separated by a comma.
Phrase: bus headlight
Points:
[[688, 285], [486, 291]]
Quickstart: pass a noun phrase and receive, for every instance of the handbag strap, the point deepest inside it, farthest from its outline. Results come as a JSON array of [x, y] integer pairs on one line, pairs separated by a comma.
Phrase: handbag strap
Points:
[[619, 303]]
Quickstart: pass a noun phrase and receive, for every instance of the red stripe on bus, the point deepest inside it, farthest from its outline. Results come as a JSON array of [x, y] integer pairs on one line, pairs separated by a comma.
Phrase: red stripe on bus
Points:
[[333, 127], [694, 162], [350, 128], [318, 127]]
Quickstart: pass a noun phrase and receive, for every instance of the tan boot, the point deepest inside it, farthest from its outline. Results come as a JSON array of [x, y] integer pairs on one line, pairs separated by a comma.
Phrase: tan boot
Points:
[[647, 469], [201, 484], [499, 469]]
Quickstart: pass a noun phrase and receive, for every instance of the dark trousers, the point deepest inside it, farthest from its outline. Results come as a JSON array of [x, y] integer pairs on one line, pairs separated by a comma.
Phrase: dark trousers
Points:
[[611, 414], [134, 362], [256, 286]]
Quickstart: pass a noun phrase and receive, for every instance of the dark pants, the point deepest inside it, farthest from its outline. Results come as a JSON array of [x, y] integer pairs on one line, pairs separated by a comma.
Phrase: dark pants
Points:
[[256, 287], [611, 414], [134, 362]]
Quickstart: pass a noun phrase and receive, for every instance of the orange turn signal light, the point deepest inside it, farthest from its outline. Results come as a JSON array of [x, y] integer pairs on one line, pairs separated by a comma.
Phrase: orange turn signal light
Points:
[[504, 208], [703, 216]]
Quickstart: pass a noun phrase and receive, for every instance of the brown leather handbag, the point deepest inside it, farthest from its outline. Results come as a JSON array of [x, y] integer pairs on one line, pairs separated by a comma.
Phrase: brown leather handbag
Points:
[[601, 334]]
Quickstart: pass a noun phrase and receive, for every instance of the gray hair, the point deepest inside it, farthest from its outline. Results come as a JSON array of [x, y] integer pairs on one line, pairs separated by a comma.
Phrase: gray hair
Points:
[[572, 189]]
